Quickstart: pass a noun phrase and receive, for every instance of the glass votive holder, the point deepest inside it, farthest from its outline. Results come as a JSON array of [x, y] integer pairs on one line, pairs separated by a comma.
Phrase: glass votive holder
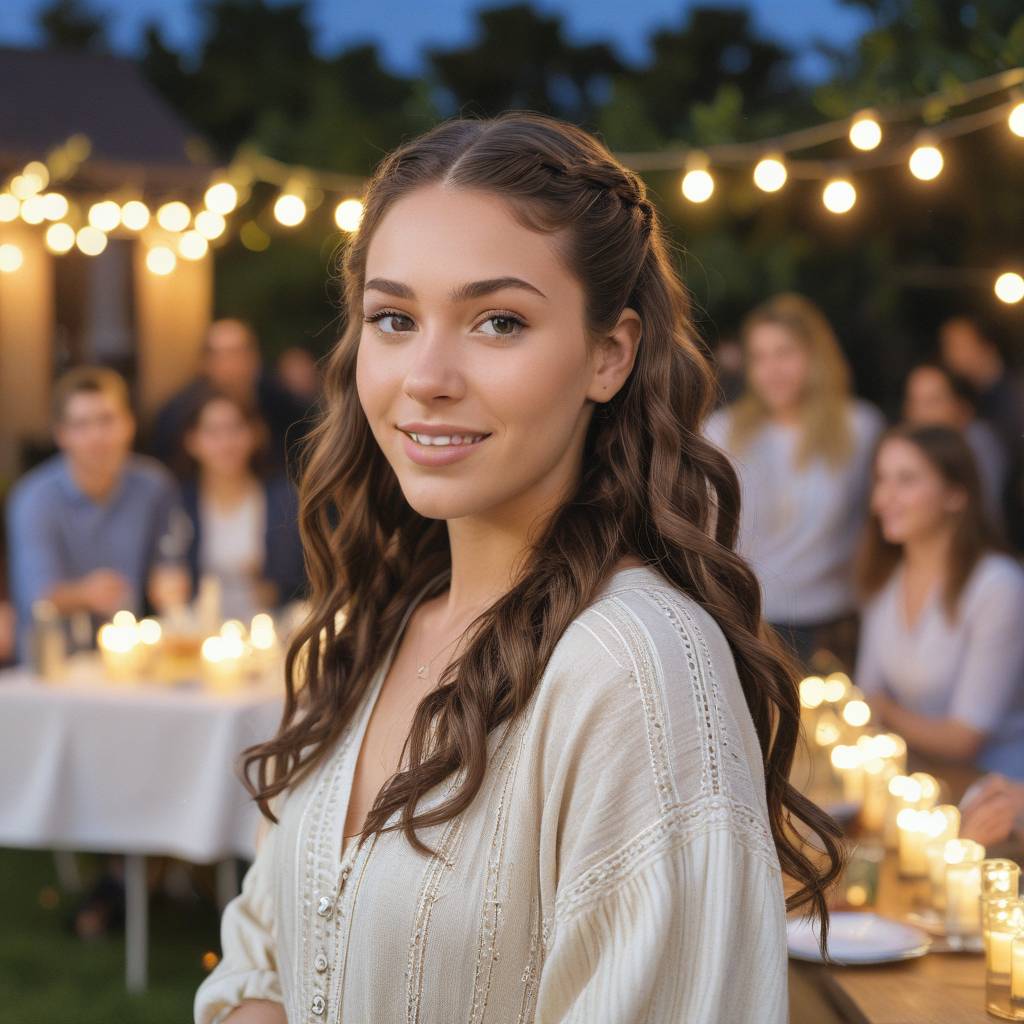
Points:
[[943, 853], [962, 888], [859, 887], [1003, 918], [1000, 877]]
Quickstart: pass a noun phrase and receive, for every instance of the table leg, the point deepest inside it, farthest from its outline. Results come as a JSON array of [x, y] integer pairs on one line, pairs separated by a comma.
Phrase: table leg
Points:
[[136, 927], [227, 882]]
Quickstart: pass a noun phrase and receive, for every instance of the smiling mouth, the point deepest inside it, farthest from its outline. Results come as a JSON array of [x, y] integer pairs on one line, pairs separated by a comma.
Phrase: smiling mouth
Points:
[[445, 440]]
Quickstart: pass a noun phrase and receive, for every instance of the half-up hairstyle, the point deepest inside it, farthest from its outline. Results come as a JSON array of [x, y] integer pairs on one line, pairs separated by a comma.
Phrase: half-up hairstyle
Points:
[[651, 487]]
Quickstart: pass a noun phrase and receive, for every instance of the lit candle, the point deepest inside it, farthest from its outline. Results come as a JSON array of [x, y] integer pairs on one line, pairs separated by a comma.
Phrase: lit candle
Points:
[[961, 886], [847, 761], [222, 656], [913, 835], [120, 646], [1017, 972], [1003, 918]]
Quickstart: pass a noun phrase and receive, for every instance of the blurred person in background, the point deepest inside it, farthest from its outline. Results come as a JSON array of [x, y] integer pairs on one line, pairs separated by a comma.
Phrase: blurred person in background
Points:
[[232, 363], [802, 446], [85, 526], [245, 526], [298, 373], [970, 348], [992, 810], [941, 655], [936, 396]]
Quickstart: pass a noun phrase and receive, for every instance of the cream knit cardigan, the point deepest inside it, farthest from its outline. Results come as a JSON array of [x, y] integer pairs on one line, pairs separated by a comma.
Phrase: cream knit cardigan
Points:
[[616, 866]]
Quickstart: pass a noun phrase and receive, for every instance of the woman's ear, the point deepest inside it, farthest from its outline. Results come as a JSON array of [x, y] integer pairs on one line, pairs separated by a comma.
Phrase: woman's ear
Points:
[[615, 356], [956, 501]]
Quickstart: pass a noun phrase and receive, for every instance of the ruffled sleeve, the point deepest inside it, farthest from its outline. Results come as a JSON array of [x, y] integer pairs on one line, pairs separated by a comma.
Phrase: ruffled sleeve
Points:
[[248, 966]]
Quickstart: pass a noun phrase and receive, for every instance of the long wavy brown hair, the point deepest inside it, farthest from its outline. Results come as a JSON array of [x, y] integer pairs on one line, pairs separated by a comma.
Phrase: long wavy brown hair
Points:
[[946, 451], [650, 487], [826, 429]]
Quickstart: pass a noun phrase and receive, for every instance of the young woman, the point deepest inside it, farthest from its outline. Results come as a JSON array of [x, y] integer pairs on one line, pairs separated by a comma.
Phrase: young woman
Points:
[[942, 649], [245, 529], [802, 446], [537, 770]]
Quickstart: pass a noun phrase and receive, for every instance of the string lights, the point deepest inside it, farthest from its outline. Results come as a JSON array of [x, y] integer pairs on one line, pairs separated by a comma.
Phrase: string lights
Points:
[[174, 228]]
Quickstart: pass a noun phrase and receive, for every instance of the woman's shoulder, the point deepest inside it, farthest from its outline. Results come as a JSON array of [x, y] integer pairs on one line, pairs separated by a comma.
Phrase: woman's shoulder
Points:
[[867, 420], [718, 425], [996, 577]]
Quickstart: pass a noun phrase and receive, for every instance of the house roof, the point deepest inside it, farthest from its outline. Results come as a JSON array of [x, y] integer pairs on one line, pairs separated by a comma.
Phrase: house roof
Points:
[[46, 96]]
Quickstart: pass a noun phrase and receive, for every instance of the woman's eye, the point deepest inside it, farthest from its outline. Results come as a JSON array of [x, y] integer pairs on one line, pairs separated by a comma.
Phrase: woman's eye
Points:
[[505, 325], [384, 316]]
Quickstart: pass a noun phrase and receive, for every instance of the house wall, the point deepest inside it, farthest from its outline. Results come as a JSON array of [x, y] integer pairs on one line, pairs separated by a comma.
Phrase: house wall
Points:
[[26, 350], [171, 316]]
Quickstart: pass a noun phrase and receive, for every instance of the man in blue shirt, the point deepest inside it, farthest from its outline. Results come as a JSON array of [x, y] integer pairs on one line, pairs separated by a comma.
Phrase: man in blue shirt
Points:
[[87, 526]]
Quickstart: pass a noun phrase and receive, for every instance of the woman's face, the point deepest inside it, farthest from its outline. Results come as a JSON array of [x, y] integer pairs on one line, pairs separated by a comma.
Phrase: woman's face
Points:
[[910, 496], [931, 400], [223, 441], [474, 369], [777, 367]]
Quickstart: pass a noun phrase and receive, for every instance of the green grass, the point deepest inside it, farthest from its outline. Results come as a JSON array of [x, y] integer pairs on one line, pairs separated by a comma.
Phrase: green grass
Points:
[[48, 976]]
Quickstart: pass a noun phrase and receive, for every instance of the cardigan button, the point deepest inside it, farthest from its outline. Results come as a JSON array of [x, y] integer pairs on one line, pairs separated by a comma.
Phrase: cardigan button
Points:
[[325, 906], [320, 963], [318, 1005]]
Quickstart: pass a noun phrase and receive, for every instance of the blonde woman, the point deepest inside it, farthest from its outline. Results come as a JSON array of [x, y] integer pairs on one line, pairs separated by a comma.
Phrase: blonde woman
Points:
[[802, 446]]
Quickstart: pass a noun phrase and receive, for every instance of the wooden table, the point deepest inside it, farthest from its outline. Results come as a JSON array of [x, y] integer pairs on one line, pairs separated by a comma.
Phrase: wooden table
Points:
[[940, 988]]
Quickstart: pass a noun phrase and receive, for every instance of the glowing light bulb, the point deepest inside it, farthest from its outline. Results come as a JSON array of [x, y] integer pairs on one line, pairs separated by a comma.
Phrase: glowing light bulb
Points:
[[698, 185], [1016, 120], [221, 197], [60, 238], [770, 174], [33, 210], [865, 131], [926, 162], [55, 205], [856, 713], [160, 260], [839, 195], [10, 207], [173, 216], [105, 215], [135, 215], [348, 214], [289, 209], [11, 258], [210, 224], [1009, 287], [91, 240], [193, 246]]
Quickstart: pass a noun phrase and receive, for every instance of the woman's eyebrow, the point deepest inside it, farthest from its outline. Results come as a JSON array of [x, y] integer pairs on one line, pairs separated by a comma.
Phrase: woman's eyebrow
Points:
[[463, 293]]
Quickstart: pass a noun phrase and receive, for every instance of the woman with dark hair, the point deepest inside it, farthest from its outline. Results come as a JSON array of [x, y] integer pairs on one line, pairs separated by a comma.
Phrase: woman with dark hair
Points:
[[942, 649], [536, 744], [802, 446], [244, 525]]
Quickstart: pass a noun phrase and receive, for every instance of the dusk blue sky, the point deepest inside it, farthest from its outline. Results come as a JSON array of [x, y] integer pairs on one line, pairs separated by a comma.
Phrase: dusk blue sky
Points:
[[403, 28]]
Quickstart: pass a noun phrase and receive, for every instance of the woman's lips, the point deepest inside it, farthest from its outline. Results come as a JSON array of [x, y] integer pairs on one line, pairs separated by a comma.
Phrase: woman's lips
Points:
[[438, 455]]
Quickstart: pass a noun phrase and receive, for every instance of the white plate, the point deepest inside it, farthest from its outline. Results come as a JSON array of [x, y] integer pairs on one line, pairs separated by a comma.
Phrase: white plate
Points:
[[857, 938]]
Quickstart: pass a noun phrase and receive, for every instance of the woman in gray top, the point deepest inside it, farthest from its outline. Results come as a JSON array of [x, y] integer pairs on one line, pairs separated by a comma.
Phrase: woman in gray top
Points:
[[942, 649]]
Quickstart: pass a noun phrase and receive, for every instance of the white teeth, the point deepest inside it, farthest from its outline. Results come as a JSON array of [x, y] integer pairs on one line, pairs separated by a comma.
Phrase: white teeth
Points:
[[444, 440]]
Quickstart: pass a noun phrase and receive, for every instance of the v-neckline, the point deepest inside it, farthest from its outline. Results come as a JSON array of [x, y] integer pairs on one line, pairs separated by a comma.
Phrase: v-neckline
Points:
[[926, 605], [345, 843], [355, 748]]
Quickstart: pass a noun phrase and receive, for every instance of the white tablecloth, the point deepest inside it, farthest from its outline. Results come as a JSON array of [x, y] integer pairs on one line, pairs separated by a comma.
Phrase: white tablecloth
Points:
[[150, 769]]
